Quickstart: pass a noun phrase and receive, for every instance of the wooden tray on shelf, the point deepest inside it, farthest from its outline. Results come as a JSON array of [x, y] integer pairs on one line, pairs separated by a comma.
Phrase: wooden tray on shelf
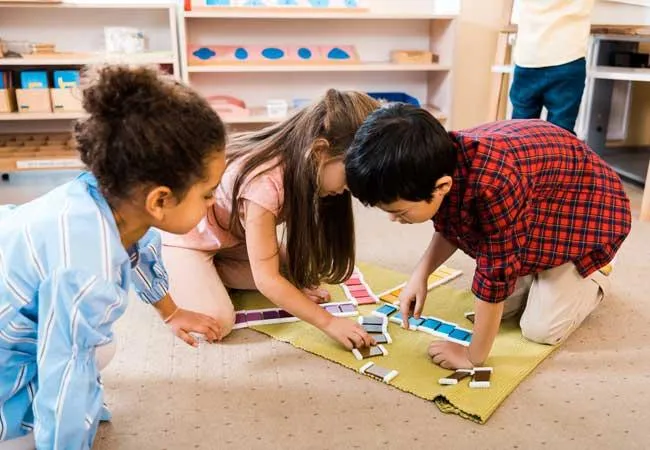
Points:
[[43, 151]]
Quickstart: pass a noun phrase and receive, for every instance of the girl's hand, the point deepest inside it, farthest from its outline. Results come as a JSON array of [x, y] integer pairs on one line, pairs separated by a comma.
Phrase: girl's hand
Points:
[[414, 291], [317, 294], [348, 333], [183, 322]]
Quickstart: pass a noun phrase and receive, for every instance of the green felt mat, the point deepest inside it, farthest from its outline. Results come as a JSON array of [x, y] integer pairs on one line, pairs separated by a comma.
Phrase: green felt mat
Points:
[[512, 357]]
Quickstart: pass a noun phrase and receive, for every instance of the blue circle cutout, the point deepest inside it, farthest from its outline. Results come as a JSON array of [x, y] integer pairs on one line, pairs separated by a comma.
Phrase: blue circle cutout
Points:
[[241, 53], [272, 53], [337, 53], [304, 53], [204, 53]]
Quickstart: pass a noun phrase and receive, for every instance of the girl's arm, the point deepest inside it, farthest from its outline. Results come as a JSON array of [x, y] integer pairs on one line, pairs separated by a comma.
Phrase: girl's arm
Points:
[[264, 255], [152, 285]]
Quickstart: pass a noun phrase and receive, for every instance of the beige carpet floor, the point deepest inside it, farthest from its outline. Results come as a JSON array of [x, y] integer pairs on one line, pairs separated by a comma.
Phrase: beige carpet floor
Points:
[[255, 393]]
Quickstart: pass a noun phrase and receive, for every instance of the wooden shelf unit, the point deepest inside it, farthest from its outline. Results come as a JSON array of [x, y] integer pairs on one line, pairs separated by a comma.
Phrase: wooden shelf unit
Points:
[[77, 30], [411, 25]]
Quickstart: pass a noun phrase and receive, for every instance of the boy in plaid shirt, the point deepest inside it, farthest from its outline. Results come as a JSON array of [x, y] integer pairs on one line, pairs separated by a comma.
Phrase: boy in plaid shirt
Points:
[[539, 211]]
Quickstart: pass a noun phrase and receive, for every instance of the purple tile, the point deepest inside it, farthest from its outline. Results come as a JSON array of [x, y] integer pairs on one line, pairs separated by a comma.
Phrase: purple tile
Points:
[[254, 316], [240, 317], [282, 314], [332, 309], [270, 315], [347, 307]]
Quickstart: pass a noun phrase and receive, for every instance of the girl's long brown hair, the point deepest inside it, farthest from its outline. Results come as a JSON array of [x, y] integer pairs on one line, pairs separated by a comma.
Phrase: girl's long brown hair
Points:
[[319, 231]]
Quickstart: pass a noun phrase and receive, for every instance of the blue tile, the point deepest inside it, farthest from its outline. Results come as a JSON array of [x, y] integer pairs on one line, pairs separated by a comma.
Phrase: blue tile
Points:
[[446, 328], [432, 324], [413, 322], [459, 334], [386, 310]]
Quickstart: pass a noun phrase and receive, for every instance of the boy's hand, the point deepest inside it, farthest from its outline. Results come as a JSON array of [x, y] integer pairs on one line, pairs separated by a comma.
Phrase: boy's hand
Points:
[[414, 291], [450, 355], [317, 294], [184, 322], [349, 333]]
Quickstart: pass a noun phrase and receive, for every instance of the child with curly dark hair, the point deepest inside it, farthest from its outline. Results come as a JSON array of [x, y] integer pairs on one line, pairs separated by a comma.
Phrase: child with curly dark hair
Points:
[[155, 153], [287, 174]]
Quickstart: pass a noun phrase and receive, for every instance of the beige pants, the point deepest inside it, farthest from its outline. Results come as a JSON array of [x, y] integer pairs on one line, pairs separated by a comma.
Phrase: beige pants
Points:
[[104, 355], [555, 302], [198, 280]]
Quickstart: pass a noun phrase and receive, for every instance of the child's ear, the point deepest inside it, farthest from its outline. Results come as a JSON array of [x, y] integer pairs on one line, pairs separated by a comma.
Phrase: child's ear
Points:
[[443, 185], [158, 200]]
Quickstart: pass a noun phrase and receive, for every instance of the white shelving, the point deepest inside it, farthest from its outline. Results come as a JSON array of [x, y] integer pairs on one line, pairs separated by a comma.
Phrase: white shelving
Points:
[[77, 30], [351, 67], [410, 25], [621, 73], [320, 15], [83, 59]]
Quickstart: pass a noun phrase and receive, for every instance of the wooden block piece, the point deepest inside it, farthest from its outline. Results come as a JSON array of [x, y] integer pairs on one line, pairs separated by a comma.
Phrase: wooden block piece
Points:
[[369, 352], [481, 378], [470, 316], [455, 377], [378, 372]]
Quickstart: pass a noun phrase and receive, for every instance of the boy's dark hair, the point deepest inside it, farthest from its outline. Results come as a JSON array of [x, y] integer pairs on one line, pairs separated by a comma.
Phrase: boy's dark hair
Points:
[[399, 152], [145, 129]]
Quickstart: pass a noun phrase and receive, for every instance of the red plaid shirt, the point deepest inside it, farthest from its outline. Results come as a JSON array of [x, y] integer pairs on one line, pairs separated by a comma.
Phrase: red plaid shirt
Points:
[[528, 196]]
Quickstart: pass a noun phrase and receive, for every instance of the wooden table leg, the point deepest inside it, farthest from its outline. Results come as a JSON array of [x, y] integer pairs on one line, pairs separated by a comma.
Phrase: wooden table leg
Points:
[[645, 203]]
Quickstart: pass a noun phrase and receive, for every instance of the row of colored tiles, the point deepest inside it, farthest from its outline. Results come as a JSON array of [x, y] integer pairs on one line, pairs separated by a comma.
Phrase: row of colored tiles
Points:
[[431, 325], [271, 316]]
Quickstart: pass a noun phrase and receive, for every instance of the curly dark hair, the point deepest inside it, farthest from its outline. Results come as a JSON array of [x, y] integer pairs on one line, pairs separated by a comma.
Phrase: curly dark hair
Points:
[[145, 128]]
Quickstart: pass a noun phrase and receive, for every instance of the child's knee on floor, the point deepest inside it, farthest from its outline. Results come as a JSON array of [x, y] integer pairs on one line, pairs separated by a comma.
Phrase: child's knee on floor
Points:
[[544, 331]]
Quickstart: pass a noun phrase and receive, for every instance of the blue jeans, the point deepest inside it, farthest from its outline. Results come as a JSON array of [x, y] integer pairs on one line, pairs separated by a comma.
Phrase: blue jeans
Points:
[[558, 88]]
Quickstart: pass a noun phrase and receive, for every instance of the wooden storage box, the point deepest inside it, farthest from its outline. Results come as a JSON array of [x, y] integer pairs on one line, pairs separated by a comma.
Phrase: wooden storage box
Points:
[[33, 100], [66, 100], [7, 101], [412, 57]]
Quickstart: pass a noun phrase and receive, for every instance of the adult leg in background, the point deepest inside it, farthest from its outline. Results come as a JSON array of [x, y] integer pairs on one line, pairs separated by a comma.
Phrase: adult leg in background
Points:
[[527, 92], [566, 84]]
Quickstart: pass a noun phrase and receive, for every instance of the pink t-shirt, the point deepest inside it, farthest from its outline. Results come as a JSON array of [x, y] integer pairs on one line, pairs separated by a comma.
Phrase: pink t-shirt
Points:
[[212, 233]]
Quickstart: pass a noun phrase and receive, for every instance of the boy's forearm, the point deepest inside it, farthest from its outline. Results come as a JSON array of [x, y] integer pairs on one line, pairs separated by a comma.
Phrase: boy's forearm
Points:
[[486, 326], [439, 251]]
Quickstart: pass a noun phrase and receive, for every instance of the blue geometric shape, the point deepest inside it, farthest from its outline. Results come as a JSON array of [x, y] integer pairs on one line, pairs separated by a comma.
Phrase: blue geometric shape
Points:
[[204, 53], [446, 328], [337, 53], [397, 316], [431, 324], [351, 3], [287, 2], [386, 310], [413, 322], [241, 54], [459, 334], [255, 3], [304, 53], [319, 3], [272, 53], [217, 2], [468, 338]]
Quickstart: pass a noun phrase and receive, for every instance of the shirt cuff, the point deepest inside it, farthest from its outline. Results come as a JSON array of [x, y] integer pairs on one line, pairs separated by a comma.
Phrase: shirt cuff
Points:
[[492, 291]]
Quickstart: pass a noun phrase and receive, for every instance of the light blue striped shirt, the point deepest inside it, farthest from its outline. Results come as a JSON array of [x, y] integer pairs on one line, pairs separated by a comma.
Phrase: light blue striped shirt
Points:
[[64, 281]]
